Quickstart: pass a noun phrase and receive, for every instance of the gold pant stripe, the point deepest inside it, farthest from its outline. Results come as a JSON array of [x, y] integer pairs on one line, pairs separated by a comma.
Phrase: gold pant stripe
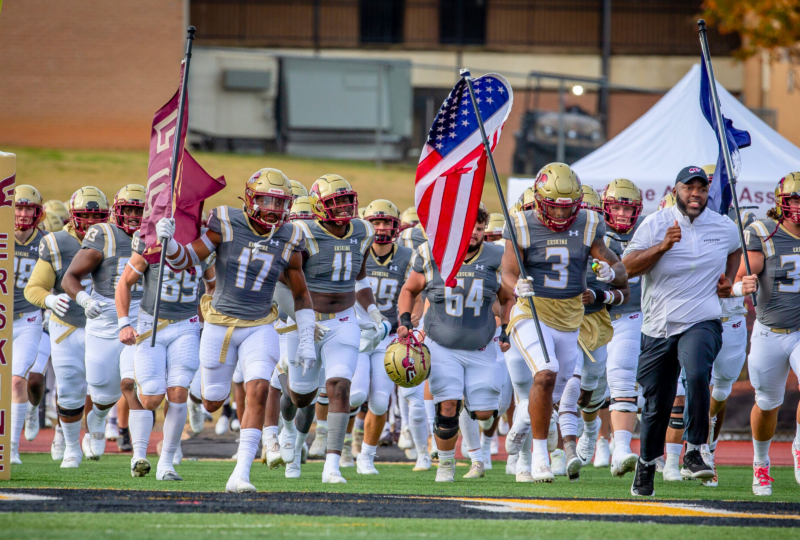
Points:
[[226, 342], [162, 323], [286, 329], [586, 350], [324, 316], [525, 355], [66, 334]]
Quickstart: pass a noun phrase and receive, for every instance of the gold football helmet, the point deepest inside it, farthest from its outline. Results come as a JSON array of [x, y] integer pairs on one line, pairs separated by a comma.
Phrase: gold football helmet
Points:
[[361, 212], [88, 206], [516, 207], [268, 197], [591, 200], [333, 199], [298, 189], [27, 197], [301, 209], [51, 223], [57, 208], [557, 188], [667, 201], [494, 229], [131, 196], [624, 193], [408, 218], [709, 170], [527, 201], [407, 361], [788, 188], [383, 210]]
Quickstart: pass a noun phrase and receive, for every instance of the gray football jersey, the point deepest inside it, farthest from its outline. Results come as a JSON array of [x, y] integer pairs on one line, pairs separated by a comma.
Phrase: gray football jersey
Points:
[[557, 261], [25, 257], [779, 281], [386, 280], [248, 264], [115, 245], [412, 237], [58, 249], [461, 317], [180, 293], [617, 242], [333, 263]]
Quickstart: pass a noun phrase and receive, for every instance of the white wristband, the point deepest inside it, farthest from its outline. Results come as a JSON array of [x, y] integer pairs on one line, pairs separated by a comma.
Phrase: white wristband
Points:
[[737, 289], [123, 322], [371, 308], [172, 247], [608, 297], [82, 298]]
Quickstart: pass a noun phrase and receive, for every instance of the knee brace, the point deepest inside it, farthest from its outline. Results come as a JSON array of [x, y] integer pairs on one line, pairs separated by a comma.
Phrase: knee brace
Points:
[[624, 404], [379, 403], [720, 393], [354, 411], [475, 416], [446, 427], [676, 418], [67, 413], [596, 404]]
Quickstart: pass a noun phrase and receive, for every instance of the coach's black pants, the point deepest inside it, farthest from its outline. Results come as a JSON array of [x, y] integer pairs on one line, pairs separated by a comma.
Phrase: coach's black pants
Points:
[[660, 365]]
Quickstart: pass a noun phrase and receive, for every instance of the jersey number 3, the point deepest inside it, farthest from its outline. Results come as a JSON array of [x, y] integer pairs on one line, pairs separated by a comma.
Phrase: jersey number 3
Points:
[[561, 267]]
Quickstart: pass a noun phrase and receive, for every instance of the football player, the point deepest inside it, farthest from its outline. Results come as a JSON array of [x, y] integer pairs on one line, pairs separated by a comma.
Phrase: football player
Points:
[[254, 245], [586, 389], [494, 229], [57, 209], [408, 218], [412, 237], [334, 263], [388, 267], [621, 207], [27, 381], [87, 207], [460, 324], [556, 240], [773, 248], [104, 254]]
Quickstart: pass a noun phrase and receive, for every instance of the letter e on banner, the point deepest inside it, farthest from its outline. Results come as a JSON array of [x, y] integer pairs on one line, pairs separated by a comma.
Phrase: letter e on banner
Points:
[[8, 171]]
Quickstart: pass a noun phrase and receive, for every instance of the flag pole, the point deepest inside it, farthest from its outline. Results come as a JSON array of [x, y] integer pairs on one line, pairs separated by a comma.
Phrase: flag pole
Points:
[[723, 138], [172, 174], [468, 77]]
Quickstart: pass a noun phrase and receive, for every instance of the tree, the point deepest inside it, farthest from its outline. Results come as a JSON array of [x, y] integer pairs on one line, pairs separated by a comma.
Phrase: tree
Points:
[[763, 25]]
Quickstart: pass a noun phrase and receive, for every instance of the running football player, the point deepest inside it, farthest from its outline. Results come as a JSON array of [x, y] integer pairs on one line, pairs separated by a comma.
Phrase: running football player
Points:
[[556, 240], [87, 207]]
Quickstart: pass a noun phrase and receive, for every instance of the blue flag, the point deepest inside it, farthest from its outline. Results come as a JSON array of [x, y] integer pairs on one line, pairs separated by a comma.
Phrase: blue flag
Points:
[[720, 192]]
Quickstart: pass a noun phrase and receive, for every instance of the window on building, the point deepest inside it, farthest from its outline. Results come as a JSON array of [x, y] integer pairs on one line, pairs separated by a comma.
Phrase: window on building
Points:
[[462, 22], [382, 21]]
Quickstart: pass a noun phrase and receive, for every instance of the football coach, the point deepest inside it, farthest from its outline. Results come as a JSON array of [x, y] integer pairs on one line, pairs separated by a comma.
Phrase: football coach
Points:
[[687, 256]]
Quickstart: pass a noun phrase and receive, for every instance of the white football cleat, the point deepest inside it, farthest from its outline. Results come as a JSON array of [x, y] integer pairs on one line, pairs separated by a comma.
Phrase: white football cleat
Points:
[[287, 440], [178, 457], [98, 445], [32, 424], [516, 437], [71, 462], [511, 464], [319, 446], [586, 448], [239, 485], [796, 458], [168, 475], [86, 446], [139, 467], [346, 459], [236, 426], [273, 449], [365, 464], [446, 471], [196, 417], [558, 463], [332, 477], [503, 427], [543, 474], [223, 423], [661, 462], [476, 470], [624, 463], [405, 442], [524, 477], [495, 446], [112, 431], [59, 445], [672, 473], [762, 483], [292, 470], [423, 463], [15, 454]]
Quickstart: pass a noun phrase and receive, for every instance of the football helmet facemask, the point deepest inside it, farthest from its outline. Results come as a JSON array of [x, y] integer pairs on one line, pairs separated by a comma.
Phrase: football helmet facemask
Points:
[[130, 196], [301, 209], [407, 361], [268, 198], [494, 228], [408, 218], [558, 191], [788, 188], [383, 210], [622, 192], [27, 197], [591, 200], [333, 199], [88, 206]]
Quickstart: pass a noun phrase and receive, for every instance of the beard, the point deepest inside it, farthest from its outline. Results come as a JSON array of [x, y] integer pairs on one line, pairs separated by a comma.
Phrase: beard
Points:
[[685, 209], [473, 248]]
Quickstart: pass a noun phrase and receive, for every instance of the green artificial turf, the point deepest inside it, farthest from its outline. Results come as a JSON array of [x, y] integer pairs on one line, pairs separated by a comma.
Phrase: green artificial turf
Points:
[[113, 472]]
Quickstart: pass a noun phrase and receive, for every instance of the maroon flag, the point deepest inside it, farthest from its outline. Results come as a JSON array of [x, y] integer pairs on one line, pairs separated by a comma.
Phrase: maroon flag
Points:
[[192, 185]]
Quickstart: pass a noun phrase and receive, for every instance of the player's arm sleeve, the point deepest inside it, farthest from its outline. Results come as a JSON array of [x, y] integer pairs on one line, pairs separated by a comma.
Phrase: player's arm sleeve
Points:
[[40, 284], [95, 239], [284, 298]]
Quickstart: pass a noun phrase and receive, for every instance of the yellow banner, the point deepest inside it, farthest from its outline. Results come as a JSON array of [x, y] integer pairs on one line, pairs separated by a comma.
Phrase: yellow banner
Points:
[[8, 170]]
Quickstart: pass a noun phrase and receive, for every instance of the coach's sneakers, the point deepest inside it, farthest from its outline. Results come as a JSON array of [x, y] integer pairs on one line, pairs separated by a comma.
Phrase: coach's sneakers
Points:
[[288, 439], [423, 463], [446, 471], [558, 462], [71, 461], [318, 447], [139, 467], [31, 423], [516, 437], [623, 463], [332, 477], [15, 454], [511, 464], [602, 453], [586, 447], [365, 464], [574, 462], [644, 479], [762, 483], [237, 484], [168, 475], [708, 457], [272, 451], [196, 417], [542, 473], [404, 442], [476, 470], [796, 458], [59, 445], [346, 459], [694, 467]]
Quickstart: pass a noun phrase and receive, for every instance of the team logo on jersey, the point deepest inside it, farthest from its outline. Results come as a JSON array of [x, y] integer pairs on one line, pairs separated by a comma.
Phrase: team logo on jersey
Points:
[[574, 233]]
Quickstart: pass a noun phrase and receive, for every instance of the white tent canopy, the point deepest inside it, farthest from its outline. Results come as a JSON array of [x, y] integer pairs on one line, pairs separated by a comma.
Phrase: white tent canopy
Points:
[[674, 134]]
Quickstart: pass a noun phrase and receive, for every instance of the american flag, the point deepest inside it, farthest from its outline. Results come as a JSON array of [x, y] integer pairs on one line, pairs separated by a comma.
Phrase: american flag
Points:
[[452, 168]]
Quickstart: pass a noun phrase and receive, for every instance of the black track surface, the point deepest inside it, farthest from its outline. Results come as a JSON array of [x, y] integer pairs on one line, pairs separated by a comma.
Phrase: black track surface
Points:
[[359, 505]]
